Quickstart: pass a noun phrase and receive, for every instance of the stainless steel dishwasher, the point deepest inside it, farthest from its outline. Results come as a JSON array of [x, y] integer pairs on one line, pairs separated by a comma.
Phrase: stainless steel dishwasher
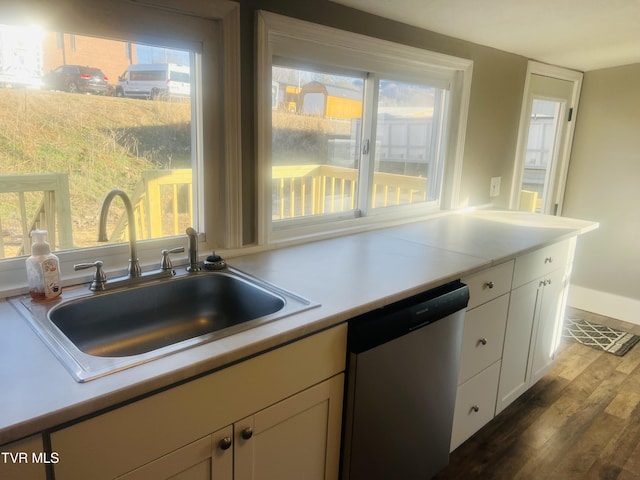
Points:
[[401, 387]]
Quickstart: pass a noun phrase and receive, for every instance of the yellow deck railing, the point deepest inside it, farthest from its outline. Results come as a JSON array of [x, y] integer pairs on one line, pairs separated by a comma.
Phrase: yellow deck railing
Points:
[[53, 213], [163, 201], [317, 189], [163, 204]]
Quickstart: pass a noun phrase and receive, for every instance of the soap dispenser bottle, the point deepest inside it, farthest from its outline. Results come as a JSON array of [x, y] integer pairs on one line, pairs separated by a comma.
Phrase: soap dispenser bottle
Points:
[[43, 269]]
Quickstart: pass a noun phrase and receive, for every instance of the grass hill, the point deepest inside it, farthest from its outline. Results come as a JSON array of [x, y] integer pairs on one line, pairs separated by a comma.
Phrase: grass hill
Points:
[[100, 142], [103, 143]]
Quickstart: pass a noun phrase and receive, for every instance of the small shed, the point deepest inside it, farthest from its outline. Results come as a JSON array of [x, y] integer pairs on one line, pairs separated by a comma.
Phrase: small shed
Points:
[[331, 101]]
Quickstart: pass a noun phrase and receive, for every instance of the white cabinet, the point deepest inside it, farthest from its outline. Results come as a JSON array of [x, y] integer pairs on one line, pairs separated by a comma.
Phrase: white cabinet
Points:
[[475, 404], [295, 438], [514, 376], [482, 344], [483, 337], [550, 322], [290, 397], [209, 458], [24, 459], [536, 315], [489, 283], [513, 327]]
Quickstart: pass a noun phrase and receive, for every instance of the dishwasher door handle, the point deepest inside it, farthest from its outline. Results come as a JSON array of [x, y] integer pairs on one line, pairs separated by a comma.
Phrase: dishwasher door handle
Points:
[[451, 299], [420, 325], [380, 326]]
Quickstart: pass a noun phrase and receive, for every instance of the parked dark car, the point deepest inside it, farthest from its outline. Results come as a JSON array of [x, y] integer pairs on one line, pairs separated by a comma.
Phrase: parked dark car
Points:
[[76, 78]]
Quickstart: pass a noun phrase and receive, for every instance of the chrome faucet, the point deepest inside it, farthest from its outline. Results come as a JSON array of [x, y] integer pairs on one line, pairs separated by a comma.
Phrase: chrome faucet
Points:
[[134, 264], [193, 250]]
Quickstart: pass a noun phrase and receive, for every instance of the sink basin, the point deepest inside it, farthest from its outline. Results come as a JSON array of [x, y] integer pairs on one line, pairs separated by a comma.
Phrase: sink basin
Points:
[[97, 334], [139, 320]]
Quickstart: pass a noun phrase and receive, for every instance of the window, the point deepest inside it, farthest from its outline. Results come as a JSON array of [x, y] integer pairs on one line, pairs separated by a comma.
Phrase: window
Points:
[[73, 136], [540, 146], [89, 144], [316, 128], [354, 130], [410, 132]]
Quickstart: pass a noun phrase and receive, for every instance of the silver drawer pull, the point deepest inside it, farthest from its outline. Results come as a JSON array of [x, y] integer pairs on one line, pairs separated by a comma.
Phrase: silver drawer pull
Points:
[[475, 409], [548, 260], [482, 341], [489, 284]]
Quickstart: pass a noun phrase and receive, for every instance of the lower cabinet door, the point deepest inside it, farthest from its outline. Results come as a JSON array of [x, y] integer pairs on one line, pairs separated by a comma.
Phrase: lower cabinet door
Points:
[[298, 438], [515, 373], [475, 404], [209, 458], [550, 321]]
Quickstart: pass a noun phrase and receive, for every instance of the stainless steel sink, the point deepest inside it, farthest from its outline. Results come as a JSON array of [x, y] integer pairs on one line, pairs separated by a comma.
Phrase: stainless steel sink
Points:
[[95, 334]]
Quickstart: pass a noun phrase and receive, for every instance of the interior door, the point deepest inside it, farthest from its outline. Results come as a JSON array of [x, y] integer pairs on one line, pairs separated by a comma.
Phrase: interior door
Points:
[[546, 132]]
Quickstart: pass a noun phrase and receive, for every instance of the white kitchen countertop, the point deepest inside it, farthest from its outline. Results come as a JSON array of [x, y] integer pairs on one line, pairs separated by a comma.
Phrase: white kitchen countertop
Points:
[[347, 276]]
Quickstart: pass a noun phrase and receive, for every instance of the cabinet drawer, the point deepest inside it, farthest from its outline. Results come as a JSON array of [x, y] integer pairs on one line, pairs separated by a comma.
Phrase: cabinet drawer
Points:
[[475, 404], [483, 337], [489, 284], [542, 262]]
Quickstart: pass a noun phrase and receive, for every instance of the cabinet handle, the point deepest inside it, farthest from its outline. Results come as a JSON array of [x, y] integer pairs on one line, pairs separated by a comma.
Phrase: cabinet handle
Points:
[[475, 409], [483, 341], [542, 283], [489, 284], [247, 433], [225, 443], [548, 260]]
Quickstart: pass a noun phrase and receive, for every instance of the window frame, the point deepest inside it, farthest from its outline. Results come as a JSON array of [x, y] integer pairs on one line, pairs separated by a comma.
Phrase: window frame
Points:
[[217, 146], [283, 37]]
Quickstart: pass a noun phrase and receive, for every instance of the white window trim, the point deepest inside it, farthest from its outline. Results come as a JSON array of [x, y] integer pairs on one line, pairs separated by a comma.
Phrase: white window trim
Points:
[[351, 50], [222, 223], [537, 68]]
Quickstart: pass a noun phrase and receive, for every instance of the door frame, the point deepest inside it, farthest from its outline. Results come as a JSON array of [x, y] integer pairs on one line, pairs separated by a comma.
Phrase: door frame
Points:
[[562, 167]]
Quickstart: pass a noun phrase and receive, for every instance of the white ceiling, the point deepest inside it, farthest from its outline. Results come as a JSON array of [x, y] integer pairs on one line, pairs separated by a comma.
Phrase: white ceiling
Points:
[[579, 34]]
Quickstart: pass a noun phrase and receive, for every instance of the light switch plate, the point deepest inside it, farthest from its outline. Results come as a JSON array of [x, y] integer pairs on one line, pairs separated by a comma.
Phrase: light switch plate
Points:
[[494, 188]]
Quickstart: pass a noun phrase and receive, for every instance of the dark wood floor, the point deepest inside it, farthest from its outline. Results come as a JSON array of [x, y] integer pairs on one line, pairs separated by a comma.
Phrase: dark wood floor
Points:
[[581, 421]]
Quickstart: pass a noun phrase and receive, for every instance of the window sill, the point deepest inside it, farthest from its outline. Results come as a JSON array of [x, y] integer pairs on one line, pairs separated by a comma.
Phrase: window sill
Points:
[[296, 234]]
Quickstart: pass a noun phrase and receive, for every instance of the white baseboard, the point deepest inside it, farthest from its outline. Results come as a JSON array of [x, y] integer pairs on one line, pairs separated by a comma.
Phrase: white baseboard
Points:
[[603, 303]]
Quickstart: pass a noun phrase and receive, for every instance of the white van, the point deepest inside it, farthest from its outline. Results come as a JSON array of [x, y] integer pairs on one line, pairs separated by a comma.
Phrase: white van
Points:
[[155, 81]]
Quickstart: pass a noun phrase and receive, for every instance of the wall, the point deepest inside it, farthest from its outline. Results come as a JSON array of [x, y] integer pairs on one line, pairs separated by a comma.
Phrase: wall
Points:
[[603, 185], [494, 111], [112, 58]]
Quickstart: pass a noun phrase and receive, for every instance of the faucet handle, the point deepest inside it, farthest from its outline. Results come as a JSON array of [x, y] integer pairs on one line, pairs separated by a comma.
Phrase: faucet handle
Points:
[[165, 263], [99, 278]]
